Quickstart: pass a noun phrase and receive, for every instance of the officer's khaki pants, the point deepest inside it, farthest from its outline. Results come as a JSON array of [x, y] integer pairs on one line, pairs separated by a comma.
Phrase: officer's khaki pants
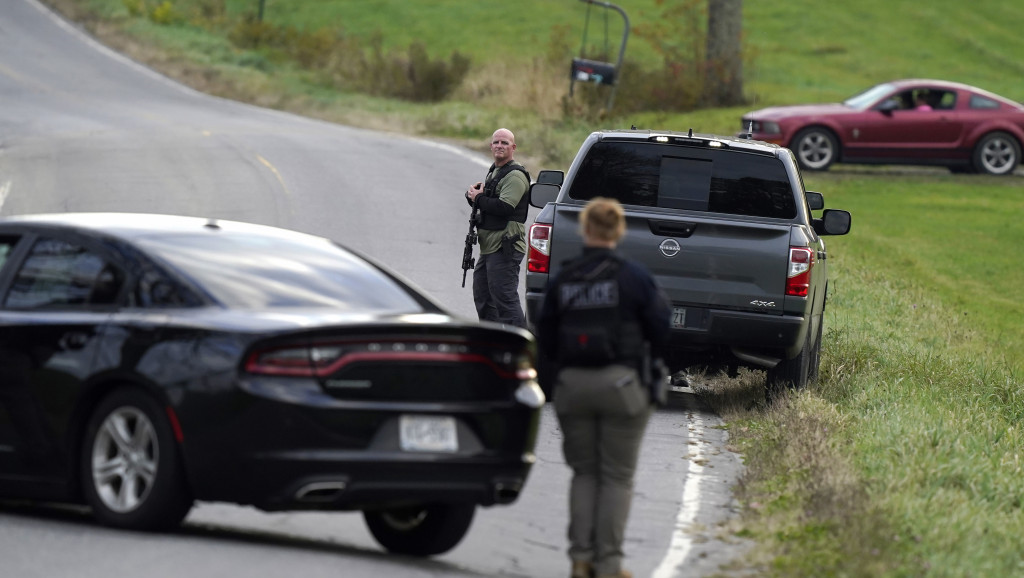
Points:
[[603, 413]]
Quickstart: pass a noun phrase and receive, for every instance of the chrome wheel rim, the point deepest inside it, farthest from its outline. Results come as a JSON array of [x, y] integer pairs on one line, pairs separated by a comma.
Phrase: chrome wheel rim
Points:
[[998, 156], [404, 520], [815, 150], [124, 459]]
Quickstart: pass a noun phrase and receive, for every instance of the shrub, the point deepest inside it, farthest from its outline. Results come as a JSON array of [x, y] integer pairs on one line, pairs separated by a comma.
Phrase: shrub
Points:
[[313, 50], [135, 8], [165, 13], [251, 33]]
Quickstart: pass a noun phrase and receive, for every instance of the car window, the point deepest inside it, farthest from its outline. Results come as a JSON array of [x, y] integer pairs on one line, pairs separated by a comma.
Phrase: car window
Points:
[[863, 100], [946, 100], [256, 271], [6, 247], [978, 101], [696, 179], [61, 274]]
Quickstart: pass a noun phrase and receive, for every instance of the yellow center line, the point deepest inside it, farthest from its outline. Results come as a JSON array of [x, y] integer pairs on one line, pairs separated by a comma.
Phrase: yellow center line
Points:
[[277, 175]]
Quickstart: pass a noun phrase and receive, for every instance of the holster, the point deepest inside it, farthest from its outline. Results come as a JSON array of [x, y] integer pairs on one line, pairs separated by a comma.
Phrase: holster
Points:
[[508, 245]]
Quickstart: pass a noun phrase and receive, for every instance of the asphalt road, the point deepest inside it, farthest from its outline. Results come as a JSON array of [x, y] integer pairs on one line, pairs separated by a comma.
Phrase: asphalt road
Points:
[[83, 129]]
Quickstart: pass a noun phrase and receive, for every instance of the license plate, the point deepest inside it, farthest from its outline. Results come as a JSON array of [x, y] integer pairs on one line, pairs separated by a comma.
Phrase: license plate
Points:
[[428, 433], [678, 317]]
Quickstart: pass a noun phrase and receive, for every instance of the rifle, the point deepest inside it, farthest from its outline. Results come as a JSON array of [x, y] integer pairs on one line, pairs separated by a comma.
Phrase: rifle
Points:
[[468, 262]]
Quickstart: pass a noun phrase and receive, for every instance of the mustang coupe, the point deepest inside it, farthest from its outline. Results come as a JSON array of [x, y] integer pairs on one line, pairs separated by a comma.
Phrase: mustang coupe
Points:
[[148, 361], [904, 122]]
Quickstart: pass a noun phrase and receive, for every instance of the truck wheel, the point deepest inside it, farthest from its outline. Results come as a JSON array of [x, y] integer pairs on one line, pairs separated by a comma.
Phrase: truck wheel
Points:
[[420, 530], [812, 372], [131, 471], [791, 373]]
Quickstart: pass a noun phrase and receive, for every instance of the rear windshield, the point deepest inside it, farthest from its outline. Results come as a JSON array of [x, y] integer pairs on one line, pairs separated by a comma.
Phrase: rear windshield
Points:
[[695, 179], [256, 272]]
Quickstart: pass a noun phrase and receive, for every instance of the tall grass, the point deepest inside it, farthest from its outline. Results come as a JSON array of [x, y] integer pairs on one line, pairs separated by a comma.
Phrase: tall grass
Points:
[[905, 459]]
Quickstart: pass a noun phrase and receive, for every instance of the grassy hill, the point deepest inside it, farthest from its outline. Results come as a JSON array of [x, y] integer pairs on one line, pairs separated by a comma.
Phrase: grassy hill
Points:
[[800, 49], [905, 460], [796, 51]]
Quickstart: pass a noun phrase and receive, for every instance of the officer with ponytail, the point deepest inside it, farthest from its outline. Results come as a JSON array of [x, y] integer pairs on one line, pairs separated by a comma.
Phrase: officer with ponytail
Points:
[[602, 322]]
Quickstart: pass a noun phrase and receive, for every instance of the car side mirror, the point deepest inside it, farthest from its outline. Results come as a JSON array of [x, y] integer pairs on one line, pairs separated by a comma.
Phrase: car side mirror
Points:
[[816, 201], [543, 193], [833, 222], [888, 106]]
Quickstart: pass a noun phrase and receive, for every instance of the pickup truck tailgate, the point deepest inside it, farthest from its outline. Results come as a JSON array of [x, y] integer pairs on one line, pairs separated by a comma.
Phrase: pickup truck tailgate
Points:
[[698, 260]]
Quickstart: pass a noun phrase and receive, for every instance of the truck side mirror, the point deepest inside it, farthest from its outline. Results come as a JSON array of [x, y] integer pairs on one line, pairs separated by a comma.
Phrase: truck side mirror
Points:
[[833, 222], [816, 201], [542, 193], [551, 178]]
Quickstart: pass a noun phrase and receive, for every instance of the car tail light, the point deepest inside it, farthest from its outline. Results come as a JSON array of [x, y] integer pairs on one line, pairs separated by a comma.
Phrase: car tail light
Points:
[[322, 360], [539, 260], [798, 280], [299, 361]]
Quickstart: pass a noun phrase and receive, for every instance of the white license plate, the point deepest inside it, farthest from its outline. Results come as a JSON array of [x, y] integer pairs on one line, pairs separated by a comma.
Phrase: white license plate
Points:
[[678, 317], [428, 433]]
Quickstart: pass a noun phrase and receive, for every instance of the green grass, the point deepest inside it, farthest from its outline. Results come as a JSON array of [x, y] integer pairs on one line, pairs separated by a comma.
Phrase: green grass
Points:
[[905, 460], [798, 50], [947, 238]]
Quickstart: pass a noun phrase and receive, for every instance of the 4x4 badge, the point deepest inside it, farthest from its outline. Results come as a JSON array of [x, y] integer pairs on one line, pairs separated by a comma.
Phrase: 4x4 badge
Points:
[[669, 247]]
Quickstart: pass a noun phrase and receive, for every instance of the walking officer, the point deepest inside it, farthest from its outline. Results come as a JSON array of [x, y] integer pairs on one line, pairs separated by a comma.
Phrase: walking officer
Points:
[[602, 321]]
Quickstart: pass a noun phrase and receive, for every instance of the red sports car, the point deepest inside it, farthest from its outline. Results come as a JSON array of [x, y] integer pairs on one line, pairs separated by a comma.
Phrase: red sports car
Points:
[[907, 122]]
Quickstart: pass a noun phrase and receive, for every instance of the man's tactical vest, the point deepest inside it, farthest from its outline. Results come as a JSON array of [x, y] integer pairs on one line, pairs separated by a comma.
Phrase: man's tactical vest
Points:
[[593, 330], [493, 222]]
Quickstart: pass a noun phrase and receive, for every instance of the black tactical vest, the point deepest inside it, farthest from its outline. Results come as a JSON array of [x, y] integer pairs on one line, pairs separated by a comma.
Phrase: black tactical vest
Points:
[[593, 328], [493, 222]]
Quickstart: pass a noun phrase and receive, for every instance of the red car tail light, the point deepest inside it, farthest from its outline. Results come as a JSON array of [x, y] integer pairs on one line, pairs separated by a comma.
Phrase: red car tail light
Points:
[[798, 279], [323, 360], [539, 260], [296, 361]]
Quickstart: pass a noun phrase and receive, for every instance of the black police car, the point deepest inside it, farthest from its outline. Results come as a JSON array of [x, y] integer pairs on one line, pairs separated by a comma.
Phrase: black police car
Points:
[[147, 361]]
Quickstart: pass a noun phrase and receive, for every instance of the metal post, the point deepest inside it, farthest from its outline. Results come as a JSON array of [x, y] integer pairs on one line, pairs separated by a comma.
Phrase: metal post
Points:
[[622, 48]]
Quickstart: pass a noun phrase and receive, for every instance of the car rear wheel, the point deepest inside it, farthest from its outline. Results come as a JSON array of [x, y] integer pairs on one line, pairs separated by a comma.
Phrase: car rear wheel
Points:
[[816, 148], [997, 153], [420, 530], [130, 468]]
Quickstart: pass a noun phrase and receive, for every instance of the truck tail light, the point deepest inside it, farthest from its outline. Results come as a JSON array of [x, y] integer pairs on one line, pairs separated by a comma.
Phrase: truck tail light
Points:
[[539, 259], [798, 279]]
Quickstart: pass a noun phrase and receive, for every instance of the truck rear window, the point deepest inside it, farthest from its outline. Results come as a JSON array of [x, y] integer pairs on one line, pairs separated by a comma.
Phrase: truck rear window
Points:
[[690, 178]]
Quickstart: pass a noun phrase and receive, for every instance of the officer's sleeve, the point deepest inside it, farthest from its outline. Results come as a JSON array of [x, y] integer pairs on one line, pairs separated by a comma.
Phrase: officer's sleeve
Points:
[[655, 315], [510, 191]]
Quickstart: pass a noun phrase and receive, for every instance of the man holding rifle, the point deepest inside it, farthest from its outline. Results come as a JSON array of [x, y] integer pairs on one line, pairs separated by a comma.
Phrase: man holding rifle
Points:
[[502, 201]]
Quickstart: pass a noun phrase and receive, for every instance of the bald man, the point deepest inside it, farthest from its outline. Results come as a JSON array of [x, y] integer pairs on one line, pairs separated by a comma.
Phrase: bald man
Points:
[[502, 200]]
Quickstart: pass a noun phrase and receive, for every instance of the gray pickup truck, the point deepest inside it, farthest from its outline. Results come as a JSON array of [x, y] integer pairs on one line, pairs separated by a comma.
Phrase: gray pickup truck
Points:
[[725, 226]]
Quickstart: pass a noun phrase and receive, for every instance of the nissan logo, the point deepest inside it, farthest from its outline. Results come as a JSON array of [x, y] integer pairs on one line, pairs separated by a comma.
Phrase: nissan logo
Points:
[[669, 247]]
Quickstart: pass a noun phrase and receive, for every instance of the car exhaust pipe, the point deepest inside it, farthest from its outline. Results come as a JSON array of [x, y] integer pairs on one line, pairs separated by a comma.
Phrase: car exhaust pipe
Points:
[[320, 492], [765, 361], [506, 494]]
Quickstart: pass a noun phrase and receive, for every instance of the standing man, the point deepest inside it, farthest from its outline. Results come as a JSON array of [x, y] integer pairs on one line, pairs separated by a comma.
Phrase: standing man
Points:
[[602, 320], [502, 199]]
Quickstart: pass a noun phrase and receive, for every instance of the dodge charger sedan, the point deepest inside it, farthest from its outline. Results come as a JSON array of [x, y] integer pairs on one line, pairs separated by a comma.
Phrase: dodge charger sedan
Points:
[[904, 122], [148, 361]]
